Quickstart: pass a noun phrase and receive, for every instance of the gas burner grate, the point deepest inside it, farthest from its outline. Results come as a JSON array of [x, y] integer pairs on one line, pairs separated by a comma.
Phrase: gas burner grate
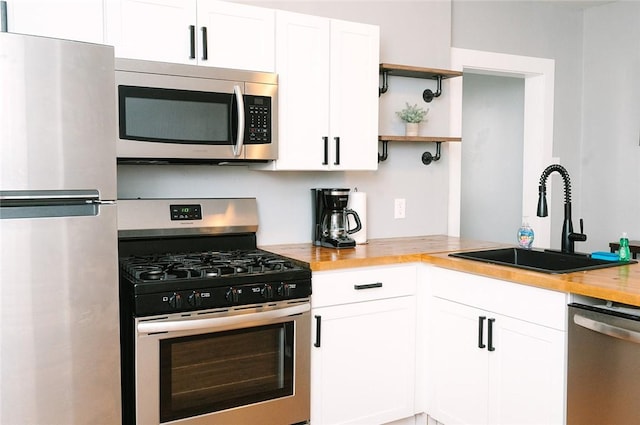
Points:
[[200, 265]]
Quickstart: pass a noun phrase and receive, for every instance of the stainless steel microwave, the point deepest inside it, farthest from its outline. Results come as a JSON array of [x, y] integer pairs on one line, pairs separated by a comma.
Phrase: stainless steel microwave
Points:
[[177, 113]]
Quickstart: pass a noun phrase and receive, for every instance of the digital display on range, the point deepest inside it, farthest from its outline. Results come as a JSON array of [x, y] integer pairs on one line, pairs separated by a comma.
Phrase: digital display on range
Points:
[[186, 212]]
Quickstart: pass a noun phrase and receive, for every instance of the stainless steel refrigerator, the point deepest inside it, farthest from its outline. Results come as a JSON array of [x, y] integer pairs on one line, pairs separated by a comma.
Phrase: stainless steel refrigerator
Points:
[[59, 346]]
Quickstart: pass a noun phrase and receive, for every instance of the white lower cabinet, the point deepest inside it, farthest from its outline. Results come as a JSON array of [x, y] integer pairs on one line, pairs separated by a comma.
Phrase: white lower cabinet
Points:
[[496, 351], [363, 353]]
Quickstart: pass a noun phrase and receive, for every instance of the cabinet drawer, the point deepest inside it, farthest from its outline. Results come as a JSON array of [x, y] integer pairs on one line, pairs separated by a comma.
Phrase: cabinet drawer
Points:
[[536, 305], [362, 284]]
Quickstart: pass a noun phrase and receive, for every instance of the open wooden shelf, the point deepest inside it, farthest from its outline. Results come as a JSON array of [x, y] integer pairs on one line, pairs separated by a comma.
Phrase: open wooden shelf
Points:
[[427, 157], [418, 139], [387, 69], [417, 72]]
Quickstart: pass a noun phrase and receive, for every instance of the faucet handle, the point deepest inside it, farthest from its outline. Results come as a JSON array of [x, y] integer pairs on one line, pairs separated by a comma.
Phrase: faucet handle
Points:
[[578, 237]]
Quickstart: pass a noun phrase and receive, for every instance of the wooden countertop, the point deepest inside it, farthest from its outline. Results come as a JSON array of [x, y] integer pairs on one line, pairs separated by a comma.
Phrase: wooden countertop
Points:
[[620, 284]]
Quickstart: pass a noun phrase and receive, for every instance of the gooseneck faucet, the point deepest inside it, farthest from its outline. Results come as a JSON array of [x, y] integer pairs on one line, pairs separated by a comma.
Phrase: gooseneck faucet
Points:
[[568, 236]]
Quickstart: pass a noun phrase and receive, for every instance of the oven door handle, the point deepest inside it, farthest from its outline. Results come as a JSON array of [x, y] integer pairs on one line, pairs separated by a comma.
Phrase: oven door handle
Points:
[[221, 322]]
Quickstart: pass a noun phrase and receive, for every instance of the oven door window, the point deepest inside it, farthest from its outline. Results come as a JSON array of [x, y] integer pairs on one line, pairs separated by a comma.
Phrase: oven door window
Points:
[[208, 373], [176, 116]]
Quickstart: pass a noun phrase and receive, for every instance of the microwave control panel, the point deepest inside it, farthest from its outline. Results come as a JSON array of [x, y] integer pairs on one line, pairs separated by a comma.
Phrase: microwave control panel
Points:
[[257, 119]]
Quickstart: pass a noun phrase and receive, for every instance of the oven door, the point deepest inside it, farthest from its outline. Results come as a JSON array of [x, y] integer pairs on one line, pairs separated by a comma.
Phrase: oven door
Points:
[[248, 365]]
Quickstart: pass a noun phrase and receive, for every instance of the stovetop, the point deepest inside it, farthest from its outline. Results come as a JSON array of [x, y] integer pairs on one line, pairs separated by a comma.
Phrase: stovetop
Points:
[[204, 265], [180, 282], [179, 255]]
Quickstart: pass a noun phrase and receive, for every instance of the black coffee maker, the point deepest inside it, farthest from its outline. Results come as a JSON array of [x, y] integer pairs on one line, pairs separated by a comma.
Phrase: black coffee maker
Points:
[[330, 218]]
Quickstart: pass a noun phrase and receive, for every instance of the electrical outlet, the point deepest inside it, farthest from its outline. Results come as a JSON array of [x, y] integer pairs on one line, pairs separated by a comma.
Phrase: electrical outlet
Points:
[[400, 208]]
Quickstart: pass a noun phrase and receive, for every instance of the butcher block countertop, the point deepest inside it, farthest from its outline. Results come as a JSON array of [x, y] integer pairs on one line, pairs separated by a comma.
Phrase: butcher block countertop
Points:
[[620, 284]]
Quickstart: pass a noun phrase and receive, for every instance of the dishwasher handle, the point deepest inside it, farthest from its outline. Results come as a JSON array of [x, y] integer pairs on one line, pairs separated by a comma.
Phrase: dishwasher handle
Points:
[[606, 329]]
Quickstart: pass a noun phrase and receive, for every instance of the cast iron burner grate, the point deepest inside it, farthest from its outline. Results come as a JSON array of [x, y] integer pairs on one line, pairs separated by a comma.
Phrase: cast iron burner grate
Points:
[[201, 265]]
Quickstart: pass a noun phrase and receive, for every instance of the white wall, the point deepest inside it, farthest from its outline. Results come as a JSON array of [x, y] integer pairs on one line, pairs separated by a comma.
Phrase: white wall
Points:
[[421, 33], [491, 174], [597, 99], [610, 154], [543, 29], [412, 33]]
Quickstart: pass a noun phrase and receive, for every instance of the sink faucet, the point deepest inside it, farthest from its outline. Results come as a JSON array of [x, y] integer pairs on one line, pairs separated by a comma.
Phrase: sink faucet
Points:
[[568, 236]]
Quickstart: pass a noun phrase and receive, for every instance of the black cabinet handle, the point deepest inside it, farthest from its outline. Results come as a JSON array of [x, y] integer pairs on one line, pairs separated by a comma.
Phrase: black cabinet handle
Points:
[[481, 320], [337, 139], [318, 327], [491, 347], [368, 286], [192, 40], [205, 49], [326, 150]]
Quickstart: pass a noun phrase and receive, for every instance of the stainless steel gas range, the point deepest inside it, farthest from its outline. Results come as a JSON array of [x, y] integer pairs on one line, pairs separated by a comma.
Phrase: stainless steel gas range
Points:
[[213, 329]]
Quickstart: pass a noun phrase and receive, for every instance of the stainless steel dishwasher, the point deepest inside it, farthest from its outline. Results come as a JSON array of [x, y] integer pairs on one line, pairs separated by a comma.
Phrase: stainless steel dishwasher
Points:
[[603, 383]]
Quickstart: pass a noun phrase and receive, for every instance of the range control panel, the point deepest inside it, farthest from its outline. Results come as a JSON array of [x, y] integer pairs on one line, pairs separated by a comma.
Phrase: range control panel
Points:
[[223, 296], [186, 212]]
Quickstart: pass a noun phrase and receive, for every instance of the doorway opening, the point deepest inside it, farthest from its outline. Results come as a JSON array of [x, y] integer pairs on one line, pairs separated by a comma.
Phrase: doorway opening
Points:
[[537, 134]]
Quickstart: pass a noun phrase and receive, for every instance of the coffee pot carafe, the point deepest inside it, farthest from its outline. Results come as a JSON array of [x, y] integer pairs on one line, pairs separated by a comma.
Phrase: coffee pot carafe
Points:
[[331, 218]]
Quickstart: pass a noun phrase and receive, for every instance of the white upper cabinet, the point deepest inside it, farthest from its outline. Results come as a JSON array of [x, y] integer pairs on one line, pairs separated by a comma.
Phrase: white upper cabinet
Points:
[[152, 29], [355, 55], [66, 19], [328, 93], [238, 36], [197, 32]]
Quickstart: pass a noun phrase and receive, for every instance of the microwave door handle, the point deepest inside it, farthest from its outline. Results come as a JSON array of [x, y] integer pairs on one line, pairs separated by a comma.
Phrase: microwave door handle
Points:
[[237, 148]]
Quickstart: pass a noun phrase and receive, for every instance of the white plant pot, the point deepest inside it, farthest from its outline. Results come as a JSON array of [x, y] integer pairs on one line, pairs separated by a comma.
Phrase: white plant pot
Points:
[[411, 128]]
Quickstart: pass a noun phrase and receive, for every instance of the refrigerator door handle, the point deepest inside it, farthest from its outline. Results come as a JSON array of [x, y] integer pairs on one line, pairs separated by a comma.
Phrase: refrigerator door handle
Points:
[[16, 204], [47, 196]]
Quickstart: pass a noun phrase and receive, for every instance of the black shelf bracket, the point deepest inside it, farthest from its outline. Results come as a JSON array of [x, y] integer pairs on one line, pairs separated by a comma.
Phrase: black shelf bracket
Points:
[[427, 157], [385, 83], [385, 152], [428, 95]]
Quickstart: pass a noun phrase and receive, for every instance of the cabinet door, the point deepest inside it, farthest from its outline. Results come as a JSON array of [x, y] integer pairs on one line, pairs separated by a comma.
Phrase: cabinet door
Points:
[[459, 365], [354, 96], [517, 377], [302, 64], [363, 371], [238, 36], [526, 373], [158, 30], [328, 85], [66, 19]]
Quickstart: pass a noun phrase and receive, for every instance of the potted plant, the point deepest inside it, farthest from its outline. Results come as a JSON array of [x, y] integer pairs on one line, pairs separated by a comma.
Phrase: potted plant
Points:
[[412, 115]]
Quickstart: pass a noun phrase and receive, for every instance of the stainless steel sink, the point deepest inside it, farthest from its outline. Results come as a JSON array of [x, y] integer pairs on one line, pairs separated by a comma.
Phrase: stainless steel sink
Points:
[[539, 260]]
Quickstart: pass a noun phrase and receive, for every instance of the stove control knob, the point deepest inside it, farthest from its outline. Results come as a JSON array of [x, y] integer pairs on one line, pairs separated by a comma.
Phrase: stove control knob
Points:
[[175, 300], [284, 290], [267, 292], [232, 295], [195, 299]]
